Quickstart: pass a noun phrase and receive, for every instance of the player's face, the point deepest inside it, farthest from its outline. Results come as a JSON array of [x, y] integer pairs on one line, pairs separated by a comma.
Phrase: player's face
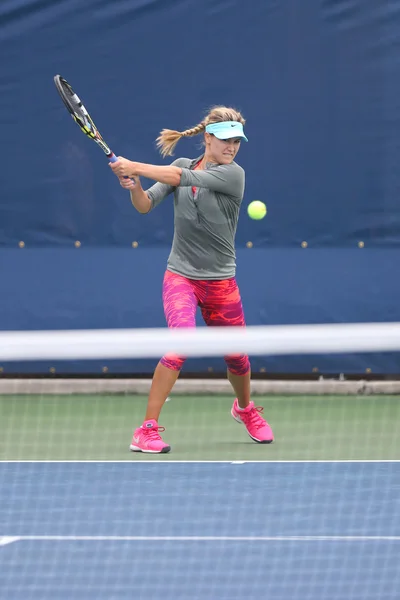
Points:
[[221, 152]]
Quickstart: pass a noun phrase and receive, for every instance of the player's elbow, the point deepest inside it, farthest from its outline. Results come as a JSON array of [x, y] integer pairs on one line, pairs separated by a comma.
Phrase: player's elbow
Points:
[[143, 211], [142, 205]]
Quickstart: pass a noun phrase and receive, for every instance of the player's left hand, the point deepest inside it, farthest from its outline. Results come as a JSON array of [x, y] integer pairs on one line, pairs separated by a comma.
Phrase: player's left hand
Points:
[[123, 167], [127, 184]]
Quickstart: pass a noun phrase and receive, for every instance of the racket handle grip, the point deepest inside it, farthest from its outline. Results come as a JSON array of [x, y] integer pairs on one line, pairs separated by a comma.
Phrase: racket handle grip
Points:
[[113, 158]]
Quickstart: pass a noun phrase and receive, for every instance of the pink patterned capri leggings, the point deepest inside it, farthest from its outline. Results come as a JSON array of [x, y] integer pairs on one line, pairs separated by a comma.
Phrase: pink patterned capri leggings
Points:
[[220, 305]]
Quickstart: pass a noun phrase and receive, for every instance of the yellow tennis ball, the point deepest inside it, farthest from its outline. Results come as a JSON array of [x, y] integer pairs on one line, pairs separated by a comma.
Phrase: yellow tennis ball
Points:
[[256, 210]]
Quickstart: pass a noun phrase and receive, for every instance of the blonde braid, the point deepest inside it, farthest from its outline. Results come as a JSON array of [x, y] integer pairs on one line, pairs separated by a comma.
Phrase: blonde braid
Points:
[[168, 138]]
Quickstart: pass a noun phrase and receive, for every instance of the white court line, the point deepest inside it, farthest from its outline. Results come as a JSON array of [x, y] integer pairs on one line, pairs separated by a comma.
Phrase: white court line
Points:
[[195, 538], [226, 462]]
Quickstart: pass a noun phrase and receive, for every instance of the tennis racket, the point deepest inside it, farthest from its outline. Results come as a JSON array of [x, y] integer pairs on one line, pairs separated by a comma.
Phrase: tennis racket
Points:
[[81, 116]]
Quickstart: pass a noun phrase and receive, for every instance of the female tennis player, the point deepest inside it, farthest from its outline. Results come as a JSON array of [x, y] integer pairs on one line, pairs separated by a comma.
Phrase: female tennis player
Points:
[[208, 192]]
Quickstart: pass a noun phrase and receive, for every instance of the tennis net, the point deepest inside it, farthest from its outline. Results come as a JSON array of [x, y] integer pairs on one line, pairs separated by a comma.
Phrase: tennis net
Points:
[[313, 515]]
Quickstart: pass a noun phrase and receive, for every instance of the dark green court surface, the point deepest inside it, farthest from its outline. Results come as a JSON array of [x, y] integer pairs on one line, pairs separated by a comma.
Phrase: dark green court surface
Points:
[[71, 427]]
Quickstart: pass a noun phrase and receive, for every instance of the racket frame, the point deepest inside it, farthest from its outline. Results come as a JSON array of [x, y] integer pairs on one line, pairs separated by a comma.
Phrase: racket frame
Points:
[[80, 115]]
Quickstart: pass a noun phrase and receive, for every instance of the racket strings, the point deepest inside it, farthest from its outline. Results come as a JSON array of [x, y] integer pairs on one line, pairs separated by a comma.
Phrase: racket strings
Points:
[[79, 113]]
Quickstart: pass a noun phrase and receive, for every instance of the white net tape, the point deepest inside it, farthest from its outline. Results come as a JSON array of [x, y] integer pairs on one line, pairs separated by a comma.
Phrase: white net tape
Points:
[[203, 341]]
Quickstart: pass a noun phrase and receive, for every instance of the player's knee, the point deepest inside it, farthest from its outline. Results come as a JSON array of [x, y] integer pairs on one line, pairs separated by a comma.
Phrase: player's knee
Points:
[[238, 365], [173, 362]]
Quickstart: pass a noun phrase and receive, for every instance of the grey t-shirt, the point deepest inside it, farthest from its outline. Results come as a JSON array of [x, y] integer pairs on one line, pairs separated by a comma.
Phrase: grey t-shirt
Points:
[[205, 222]]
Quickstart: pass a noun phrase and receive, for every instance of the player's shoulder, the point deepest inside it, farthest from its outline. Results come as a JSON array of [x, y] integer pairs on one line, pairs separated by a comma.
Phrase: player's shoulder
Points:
[[182, 162], [232, 167], [236, 167], [232, 172]]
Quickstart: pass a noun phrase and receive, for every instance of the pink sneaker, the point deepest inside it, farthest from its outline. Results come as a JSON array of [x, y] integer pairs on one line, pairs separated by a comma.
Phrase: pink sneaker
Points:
[[147, 439], [257, 427]]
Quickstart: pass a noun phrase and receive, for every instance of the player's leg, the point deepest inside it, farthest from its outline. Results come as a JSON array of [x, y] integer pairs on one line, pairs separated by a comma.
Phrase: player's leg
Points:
[[240, 384], [163, 381], [180, 305], [223, 307]]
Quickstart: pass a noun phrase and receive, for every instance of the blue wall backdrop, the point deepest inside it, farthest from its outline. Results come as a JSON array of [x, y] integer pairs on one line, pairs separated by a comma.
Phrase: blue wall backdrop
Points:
[[319, 84]]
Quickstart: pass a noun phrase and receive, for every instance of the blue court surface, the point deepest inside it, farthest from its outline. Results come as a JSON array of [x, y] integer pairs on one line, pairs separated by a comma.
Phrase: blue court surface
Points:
[[200, 530]]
